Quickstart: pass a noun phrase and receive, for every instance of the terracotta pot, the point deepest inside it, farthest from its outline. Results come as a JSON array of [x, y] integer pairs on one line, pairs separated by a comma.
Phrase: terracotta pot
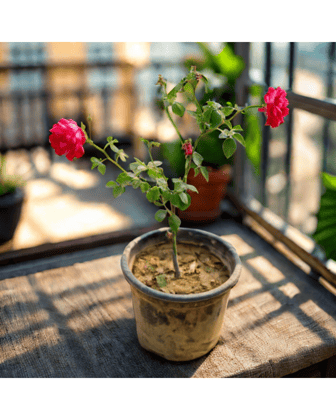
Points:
[[205, 206], [180, 327], [10, 212]]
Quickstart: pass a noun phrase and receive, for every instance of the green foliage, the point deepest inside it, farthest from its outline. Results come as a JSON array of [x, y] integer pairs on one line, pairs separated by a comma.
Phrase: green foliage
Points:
[[160, 215], [210, 146], [253, 131], [174, 223], [178, 109], [229, 147], [325, 232], [161, 280], [8, 184]]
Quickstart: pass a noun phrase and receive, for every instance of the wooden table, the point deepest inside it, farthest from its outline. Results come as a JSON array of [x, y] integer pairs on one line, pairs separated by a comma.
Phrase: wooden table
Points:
[[71, 316]]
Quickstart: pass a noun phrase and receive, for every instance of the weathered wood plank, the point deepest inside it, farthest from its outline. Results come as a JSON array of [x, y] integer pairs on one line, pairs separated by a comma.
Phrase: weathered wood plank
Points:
[[77, 321]]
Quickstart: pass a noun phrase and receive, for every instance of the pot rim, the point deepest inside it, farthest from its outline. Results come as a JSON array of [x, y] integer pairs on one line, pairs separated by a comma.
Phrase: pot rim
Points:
[[197, 297]]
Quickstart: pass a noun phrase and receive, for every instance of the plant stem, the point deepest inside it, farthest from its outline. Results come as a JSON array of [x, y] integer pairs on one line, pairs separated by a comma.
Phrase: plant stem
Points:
[[106, 154], [173, 123], [247, 107], [176, 266], [187, 168], [217, 127]]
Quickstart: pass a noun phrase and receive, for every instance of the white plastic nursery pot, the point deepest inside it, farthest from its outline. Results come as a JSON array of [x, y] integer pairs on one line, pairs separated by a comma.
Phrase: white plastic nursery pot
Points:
[[174, 326]]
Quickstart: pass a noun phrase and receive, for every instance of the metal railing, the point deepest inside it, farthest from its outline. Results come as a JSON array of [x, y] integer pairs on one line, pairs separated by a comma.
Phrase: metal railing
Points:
[[26, 115], [241, 196]]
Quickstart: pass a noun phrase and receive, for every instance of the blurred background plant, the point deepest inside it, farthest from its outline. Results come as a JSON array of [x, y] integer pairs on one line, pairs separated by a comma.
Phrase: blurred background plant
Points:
[[8, 183], [325, 232]]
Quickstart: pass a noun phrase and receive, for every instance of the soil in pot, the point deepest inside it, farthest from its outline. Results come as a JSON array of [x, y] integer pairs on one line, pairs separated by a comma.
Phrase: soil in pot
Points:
[[201, 270]]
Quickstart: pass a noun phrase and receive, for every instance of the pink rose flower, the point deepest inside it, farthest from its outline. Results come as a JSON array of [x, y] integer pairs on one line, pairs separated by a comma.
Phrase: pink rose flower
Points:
[[187, 147], [67, 139], [276, 106]]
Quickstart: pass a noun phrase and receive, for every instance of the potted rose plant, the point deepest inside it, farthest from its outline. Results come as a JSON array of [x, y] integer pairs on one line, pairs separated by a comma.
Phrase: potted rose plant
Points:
[[11, 200], [180, 278]]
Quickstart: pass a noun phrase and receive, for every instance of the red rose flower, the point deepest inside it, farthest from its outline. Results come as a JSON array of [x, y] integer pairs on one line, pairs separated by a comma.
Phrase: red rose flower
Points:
[[276, 106], [187, 147], [67, 139]]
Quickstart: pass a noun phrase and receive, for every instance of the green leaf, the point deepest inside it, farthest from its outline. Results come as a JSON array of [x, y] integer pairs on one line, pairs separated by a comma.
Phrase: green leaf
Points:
[[178, 185], [224, 134], [205, 173], [114, 148], [110, 142], [111, 184], [175, 199], [216, 119], [183, 196], [172, 94], [229, 147], [136, 183], [237, 128], [192, 188], [155, 144], [145, 141], [166, 195], [207, 114], [189, 90], [144, 187], [160, 215], [134, 166], [124, 179], [174, 223], [154, 164], [153, 194], [160, 280], [122, 155], [95, 162], [227, 110], [178, 109], [102, 168], [118, 190], [239, 138], [162, 182], [197, 158]]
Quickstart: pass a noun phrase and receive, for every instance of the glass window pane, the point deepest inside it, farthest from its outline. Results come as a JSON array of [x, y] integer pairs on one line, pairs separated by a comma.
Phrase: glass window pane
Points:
[[311, 69]]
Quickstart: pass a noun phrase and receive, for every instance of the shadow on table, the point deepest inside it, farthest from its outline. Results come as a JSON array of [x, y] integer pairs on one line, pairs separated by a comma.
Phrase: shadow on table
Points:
[[77, 321]]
